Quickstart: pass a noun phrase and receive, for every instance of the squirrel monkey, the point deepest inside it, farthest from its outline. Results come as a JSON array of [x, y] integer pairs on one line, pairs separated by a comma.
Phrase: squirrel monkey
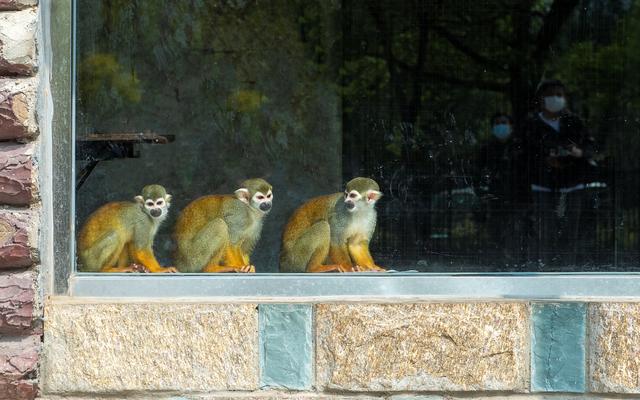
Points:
[[119, 235], [217, 233], [331, 233]]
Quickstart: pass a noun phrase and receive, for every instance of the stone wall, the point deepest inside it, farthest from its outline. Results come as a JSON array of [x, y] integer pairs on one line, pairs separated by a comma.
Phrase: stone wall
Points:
[[187, 350], [20, 322]]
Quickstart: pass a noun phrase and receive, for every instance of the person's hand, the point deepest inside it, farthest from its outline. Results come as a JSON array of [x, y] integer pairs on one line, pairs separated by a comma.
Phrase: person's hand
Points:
[[575, 151]]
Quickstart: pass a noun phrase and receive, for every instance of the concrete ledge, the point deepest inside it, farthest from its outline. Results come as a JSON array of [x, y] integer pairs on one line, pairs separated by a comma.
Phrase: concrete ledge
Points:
[[116, 348], [423, 347]]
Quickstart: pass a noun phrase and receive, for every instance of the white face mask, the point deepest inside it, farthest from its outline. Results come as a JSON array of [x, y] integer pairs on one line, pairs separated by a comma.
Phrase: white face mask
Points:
[[554, 104]]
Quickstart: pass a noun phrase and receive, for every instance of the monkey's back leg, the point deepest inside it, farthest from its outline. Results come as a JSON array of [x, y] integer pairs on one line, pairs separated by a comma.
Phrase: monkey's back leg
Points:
[[308, 251], [206, 247], [103, 254]]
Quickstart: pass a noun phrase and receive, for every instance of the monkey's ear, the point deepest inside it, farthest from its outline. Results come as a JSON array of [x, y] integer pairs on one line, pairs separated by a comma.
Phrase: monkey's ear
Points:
[[168, 198], [139, 199], [373, 196], [243, 195]]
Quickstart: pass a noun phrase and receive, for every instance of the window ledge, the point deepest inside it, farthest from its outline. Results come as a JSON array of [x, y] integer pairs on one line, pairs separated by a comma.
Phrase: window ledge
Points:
[[397, 287]]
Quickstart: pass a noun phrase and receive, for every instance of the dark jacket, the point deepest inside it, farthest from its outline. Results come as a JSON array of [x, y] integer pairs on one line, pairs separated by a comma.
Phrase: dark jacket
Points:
[[494, 168], [546, 157]]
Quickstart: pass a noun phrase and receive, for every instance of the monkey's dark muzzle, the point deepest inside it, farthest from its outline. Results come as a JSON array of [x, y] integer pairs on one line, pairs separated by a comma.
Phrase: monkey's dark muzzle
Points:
[[156, 212], [265, 206], [350, 205]]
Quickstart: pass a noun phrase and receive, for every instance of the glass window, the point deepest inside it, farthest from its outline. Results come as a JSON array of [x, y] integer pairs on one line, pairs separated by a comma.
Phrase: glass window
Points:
[[503, 135]]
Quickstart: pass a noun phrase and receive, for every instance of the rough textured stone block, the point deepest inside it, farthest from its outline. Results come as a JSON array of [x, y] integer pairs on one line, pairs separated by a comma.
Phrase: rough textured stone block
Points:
[[614, 347], [112, 348], [17, 297], [17, 35], [423, 347], [6, 5], [558, 347], [563, 396], [286, 345], [12, 389], [257, 395], [17, 108], [18, 364], [14, 239], [15, 174]]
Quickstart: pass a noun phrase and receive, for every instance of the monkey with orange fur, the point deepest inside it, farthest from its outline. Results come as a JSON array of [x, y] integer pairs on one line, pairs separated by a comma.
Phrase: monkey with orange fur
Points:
[[331, 233], [118, 237], [217, 233]]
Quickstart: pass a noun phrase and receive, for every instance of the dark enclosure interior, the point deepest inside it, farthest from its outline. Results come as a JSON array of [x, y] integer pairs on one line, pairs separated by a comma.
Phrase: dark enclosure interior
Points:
[[198, 95]]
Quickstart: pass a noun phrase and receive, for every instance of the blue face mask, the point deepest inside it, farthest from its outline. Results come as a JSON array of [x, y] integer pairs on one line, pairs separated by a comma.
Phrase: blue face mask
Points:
[[501, 131]]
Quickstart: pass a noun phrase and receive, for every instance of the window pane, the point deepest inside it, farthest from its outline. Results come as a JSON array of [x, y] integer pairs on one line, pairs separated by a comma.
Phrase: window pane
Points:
[[503, 137]]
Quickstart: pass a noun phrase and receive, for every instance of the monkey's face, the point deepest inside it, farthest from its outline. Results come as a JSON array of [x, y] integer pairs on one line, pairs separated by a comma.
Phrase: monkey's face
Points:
[[355, 201], [262, 201], [259, 200], [156, 208]]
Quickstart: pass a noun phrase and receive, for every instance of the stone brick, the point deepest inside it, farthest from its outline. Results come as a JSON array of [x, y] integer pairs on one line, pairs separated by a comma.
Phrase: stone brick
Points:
[[558, 347], [12, 389], [15, 249], [18, 365], [423, 347], [614, 336], [17, 297], [555, 396], [11, 5], [16, 174], [17, 108], [113, 348], [14, 239], [286, 345], [17, 42], [257, 395], [272, 395]]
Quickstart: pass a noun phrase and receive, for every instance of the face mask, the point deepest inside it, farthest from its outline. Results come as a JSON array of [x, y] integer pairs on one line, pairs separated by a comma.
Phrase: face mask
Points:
[[501, 131], [554, 103]]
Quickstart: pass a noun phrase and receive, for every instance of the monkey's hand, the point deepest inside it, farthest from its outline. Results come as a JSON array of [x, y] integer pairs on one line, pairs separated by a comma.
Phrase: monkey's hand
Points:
[[138, 268], [347, 268], [247, 269], [162, 270], [371, 268]]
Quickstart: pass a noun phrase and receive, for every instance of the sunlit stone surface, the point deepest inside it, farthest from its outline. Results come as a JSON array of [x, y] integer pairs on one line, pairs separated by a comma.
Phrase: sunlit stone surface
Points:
[[614, 351], [111, 348], [426, 347]]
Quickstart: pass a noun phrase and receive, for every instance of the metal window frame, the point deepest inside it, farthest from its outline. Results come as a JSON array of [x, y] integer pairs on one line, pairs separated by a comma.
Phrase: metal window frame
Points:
[[392, 287]]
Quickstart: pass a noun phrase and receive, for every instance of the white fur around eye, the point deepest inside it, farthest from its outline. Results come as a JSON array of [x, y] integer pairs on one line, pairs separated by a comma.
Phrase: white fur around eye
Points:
[[149, 203]]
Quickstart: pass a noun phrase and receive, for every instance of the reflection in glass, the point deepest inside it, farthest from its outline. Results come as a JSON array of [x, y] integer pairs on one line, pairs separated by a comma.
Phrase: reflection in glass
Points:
[[438, 101]]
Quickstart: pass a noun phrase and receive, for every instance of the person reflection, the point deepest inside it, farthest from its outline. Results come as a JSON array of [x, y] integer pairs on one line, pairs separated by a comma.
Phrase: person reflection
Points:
[[497, 186], [559, 153]]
